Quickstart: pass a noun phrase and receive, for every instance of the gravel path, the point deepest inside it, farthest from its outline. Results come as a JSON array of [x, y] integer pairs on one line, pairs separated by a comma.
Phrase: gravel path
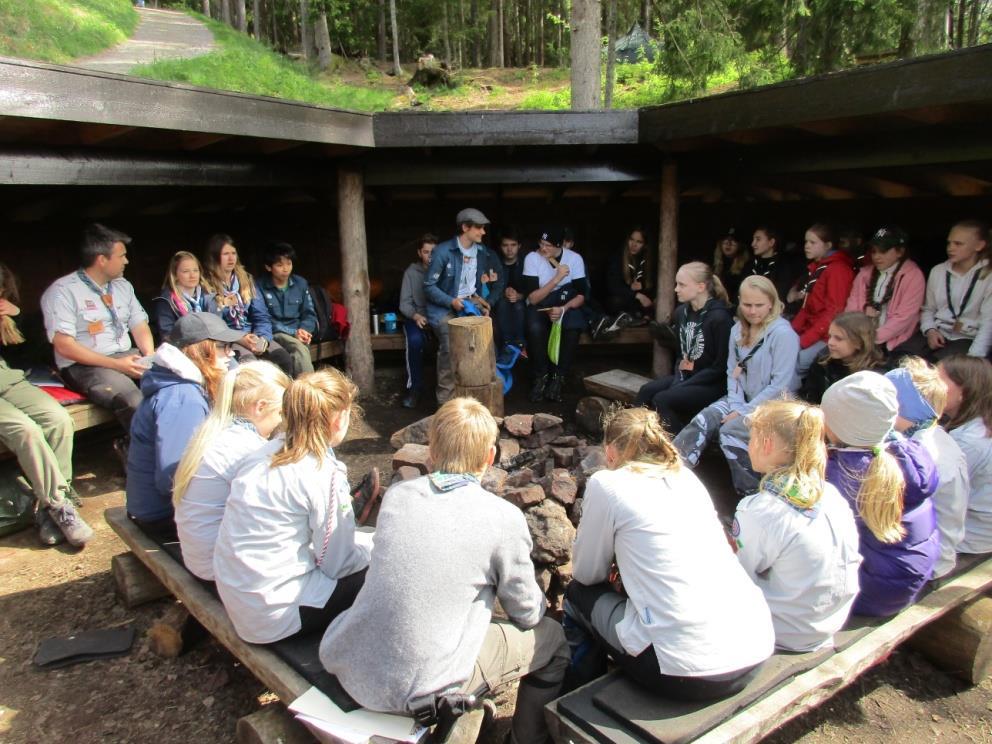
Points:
[[161, 34]]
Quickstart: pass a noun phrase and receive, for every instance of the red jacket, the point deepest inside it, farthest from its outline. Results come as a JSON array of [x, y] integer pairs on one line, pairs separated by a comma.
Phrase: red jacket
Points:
[[826, 300]]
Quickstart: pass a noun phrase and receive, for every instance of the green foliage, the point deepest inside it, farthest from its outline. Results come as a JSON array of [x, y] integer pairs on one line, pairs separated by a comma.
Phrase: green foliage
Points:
[[61, 30], [548, 100], [246, 66]]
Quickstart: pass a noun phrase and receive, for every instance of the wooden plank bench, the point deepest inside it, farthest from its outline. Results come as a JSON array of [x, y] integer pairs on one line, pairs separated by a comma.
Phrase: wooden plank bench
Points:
[[84, 415], [805, 690]]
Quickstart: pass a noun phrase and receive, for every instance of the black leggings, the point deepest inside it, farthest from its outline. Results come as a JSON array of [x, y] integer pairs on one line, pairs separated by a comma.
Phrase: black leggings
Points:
[[676, 402], [314, 619]]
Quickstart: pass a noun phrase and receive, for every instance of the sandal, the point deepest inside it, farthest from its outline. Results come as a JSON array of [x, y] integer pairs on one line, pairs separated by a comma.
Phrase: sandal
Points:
[[366, 496]]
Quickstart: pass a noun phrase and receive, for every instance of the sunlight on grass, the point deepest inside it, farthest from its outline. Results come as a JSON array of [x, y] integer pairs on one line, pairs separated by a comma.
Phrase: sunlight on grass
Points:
[[62, 30]]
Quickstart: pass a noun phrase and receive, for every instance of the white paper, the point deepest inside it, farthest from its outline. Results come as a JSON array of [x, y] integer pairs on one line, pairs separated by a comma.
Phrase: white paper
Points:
[[321, 714]]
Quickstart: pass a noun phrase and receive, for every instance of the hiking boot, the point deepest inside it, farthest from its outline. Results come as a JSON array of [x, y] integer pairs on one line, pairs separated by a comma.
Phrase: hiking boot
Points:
[[76, 531], [121, 445], [537, 391], [48, 532], [365, 496], [411, 399], [553, 391]]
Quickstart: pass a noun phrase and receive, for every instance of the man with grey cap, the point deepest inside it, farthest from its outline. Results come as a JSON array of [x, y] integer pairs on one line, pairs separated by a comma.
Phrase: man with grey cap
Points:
[[461, 268]]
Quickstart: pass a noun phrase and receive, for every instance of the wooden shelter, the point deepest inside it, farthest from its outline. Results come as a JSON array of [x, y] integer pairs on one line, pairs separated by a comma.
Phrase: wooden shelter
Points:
[[78, 145]]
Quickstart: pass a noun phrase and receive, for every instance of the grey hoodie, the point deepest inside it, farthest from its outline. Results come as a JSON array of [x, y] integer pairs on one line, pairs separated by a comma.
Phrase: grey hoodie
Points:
[[770, 372], [412, 297]]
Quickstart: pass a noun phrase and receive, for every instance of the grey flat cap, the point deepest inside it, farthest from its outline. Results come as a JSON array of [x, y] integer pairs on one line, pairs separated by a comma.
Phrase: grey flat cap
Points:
[[471, 215]]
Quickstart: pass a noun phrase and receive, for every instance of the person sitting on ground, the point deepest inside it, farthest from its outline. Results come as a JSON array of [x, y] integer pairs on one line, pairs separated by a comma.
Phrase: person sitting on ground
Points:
[[38, 431], [184, 377], [922, 396], [413, 307], [247, 411], [630, 278], [761, 365], [239, 303], [701, 326], [969, 422], [288, 557], [460, 269], [823, 293], [771, 261], [446, 549], [890, 290], [730, 262], [183, 292], [290, 306], [850, 348], [957, 313], [556, 287], [796, 537], [888, 481], [90, 317], [665, 619], [511, 310]]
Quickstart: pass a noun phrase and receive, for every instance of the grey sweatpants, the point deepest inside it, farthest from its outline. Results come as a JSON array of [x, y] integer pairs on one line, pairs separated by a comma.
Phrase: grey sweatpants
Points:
[[733, 437]]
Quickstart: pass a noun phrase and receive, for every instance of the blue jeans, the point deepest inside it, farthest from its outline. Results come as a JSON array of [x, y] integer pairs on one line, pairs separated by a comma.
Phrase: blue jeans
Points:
[[416, 337], [510, 322]]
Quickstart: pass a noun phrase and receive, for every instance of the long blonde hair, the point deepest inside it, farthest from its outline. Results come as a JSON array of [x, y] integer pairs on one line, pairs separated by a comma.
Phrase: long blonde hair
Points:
[[639, 439], [799, 428], [170, 276], [750, 334], [880, 498], [461, 433], [927, 381], [241, 389], [310, 408], [704, 274]]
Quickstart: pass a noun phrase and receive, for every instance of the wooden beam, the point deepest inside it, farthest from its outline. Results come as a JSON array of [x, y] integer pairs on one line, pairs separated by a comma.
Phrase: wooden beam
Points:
[[392, 171], [668, 250], [355, 270], [94, 135], [198, 141]]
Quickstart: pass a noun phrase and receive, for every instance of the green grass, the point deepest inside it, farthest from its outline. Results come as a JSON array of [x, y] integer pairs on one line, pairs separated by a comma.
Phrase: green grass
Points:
[[61, 30], [243, 65]]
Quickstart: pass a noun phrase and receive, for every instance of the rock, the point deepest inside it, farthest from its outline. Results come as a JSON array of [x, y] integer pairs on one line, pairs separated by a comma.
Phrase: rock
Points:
[[589, 414], [508, 449], [561, 486], [551, 531], [542, 437], [564, 573], [415, 433], [524, 458], [499, 420], [525, 496], [567, 441], [544, 421], [519, 478], [406, 472], [575, 513], [412, 455], [594, 461], [564, 456], [519, 424], [494, 480], [543, 576]]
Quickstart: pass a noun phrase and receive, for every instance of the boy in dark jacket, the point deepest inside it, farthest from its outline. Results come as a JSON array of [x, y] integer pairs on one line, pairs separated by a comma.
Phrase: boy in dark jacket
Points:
[[287, 298], [511, 306]]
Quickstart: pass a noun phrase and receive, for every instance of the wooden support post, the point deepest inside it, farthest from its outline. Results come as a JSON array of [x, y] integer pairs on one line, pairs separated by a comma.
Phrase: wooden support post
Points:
[[355, 271], [273, 724], [135, 583], [473, 361], [668, 256], [961, 641]]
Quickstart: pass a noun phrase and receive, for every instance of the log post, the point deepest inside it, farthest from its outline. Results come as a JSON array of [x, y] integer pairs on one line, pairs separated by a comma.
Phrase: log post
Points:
[[355, 270], [668, 256], [273, 724], [136, 585], [473, 361], [960, 642]]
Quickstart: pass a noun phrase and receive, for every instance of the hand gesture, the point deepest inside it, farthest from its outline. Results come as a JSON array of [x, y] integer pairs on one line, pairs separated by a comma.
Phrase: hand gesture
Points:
[[304, 335], [129, 366], [511, 294], [935, 339], [457, 305], [561, 271], [420, 320]]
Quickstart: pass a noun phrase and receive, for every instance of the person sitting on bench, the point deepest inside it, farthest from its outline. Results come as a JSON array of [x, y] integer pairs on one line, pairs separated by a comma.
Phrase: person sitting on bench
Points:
[[246, 413], [39, 432], [512, 306], [184, 378], [90, 316], [701, 326], [288, 557], [731, 262], [850, 348], [445, 551], [183, 292], [682, 618], [290, 306], [772, 261], [888, 481], [796, 537], [630, 278], [413, 307]]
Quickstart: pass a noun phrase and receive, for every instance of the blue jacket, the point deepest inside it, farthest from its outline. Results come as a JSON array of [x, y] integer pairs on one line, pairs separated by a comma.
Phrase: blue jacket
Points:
[[892, 574], [165, 315], [258, 320], [174, 405], [444, 274], [291, 308]]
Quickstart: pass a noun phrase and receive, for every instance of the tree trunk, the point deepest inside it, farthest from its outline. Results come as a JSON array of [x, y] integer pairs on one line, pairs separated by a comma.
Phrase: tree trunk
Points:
[[273, 16], [961, 641], [323, 39], [494, 34], [974, 21], [461, 34], [668, 250], [585, 25], [540, 33], [256, 20], [397, 70], [306, 39], [560, 29], [476, 41], [206, 8], [225, 11], [473, 361], [444, 33], [355, 272], [611, 49], [240, 16], [646, 16], [382, 31]]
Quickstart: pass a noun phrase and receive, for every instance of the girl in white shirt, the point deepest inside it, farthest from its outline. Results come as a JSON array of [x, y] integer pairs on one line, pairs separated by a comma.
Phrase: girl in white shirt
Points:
[[288, 557], [247, 412], [687, 622], [797, 537]]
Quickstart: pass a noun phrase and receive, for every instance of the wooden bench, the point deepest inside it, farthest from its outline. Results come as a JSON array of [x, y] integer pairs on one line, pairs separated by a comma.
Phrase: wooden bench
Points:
[[84, 415]]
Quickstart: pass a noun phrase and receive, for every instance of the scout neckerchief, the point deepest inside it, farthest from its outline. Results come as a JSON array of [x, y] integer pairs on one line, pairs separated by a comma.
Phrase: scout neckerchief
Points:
[[108, 301], [242, 423], [636, 270], [690, 335], [763, 266], [787, 489], [186, 304], [235, 308], [964, 301], [332, 507], [811, 277], [741, 368], [450, 481], [890, 288]]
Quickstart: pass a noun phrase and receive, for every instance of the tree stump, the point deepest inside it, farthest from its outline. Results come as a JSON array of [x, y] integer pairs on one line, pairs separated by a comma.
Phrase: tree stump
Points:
[[490, 395], [589, 414], [473, 361], [273, 724], [135, 583], [960, 642]]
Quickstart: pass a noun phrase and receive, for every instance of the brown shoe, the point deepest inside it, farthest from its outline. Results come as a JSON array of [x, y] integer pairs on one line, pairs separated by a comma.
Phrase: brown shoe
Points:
[[366, 496]]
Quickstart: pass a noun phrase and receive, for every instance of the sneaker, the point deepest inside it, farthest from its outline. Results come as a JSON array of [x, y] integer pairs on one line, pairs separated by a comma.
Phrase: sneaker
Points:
[[365, 496], [48, 532], [537, 391], [619, 323], [553, 391], [598, 328], [663, 334], [411, 399], [76, 531]]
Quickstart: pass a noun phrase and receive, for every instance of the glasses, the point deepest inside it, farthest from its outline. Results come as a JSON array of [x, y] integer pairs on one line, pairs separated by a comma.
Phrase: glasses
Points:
[[224, 348]]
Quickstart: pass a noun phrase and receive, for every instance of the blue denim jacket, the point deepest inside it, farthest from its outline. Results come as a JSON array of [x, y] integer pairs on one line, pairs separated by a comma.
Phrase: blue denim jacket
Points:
[[444, 274], [290, 309]]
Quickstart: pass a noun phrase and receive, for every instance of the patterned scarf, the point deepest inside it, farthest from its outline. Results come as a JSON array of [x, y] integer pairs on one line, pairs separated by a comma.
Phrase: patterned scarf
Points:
[[234, 304], [185, 304], [788, 488]]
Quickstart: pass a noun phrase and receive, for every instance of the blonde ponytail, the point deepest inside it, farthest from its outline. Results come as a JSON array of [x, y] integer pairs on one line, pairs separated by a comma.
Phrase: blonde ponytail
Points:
[[239, 391], [799, 427], [640, 440], [880, 499]]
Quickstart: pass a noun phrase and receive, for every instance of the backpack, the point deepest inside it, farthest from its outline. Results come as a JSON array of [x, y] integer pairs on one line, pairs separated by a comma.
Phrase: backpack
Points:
[[339, 319], [325, 309]]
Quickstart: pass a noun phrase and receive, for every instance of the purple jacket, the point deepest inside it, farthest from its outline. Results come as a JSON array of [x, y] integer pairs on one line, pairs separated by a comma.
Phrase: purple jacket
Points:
[[892, 575]]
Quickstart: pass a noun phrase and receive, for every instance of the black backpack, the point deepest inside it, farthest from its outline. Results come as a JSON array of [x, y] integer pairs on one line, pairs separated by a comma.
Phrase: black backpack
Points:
[[323, 306]]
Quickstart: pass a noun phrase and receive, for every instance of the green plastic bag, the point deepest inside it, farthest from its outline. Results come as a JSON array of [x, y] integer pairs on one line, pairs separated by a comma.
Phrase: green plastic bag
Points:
[[16, 507], [554, 340]]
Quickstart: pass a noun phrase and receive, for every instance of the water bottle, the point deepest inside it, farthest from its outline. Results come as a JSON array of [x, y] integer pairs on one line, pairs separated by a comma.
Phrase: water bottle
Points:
[[375, 324]]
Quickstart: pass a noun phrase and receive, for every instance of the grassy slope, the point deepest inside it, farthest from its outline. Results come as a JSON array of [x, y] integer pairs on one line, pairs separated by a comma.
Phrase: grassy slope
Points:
[[60, 30], [243, 65]]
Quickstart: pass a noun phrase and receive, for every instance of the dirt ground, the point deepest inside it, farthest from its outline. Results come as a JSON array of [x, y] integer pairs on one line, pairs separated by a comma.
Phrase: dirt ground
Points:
[[46, 592]]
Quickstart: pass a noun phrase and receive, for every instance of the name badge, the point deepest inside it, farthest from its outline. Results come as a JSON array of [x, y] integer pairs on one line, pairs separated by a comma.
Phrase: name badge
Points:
[[95, 328]]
